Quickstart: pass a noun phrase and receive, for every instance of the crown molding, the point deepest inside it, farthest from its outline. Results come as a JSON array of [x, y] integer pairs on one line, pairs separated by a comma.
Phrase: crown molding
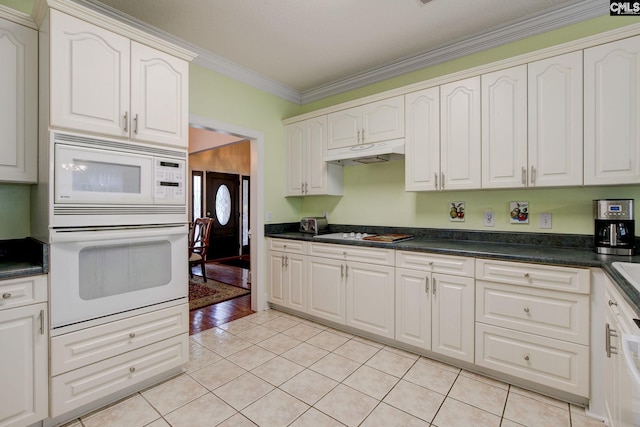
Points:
[[572, 13], [565, 15], [17, 17]]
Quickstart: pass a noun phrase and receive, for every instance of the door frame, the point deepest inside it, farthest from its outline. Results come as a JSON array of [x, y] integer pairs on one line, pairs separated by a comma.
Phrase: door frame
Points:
[[256, 200]]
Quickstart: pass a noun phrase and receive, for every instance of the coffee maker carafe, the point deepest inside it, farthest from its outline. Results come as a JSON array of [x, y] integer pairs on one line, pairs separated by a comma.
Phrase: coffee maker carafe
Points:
[[614, 227]]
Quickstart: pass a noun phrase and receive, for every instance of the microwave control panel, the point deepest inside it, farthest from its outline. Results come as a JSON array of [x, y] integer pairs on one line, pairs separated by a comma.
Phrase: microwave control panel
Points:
[[169, 181]]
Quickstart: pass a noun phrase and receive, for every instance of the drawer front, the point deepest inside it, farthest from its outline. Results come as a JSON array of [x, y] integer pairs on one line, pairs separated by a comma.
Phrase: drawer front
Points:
[[558, 364], [558, 278], [560, 315], [23, 291], [80, 348], [445, 264], [85, 385], [353, 253], [291, 246]]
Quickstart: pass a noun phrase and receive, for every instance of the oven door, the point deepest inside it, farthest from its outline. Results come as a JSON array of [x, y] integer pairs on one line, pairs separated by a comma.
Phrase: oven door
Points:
[[104, 271]]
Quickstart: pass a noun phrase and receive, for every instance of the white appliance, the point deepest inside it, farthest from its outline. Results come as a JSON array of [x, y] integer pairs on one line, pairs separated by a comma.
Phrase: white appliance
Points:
[[376, 152], [104, 271], [98, 181]]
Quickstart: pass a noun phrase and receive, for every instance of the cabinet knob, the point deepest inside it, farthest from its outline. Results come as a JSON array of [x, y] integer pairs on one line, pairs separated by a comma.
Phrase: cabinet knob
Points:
[[132, 369], [132, 335], [7, 295], [526, 309], [526, 357], [526, 275], [344, 253], [610, 302]]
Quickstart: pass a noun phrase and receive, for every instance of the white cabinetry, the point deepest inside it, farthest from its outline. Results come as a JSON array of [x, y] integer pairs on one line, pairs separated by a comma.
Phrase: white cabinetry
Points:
[[105, 83], [373, 122], [95, 362], [611, 111], [555, 121], [460, 152], [618, 384], [288, 273], [532, 322], [18, 102], [422, 143], [434, 300], [24, 356], [353, 286], [307, 172]]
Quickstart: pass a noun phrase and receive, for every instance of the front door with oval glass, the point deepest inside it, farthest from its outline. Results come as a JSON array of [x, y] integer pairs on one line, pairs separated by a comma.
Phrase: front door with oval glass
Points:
[[223, 204]]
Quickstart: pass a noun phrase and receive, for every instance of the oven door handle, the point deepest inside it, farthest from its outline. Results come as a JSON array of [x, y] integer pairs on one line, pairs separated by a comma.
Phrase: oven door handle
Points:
[[113, 233]]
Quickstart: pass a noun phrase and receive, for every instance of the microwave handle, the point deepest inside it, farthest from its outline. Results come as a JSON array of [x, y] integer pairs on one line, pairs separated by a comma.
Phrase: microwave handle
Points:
[[112, 233]]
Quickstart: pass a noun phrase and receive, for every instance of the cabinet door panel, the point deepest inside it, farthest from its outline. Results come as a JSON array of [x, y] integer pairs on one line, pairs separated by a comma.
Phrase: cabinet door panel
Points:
[[18, 103], [460, 134], [89, 77], [383, 120], [23, 366], [413, 308], [345, 127], [295, 152], [326, 289], [504, 128], [453, 316], [422, 143], [611, 111], [296, 272], [316, 135], [370, 294], [555, 121], [276, 277], [159, 97]]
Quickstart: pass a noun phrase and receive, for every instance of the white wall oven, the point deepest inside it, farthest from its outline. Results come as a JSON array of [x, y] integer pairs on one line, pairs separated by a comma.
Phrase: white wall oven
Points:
[[99, 272], [98, 181]]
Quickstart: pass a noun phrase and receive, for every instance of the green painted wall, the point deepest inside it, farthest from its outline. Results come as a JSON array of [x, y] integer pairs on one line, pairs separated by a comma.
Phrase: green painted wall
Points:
[[374, 194], [23, 6], [14, 211]]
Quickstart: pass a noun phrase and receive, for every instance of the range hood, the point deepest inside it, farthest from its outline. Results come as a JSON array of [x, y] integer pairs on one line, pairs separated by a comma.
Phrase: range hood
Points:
[[363, 154]]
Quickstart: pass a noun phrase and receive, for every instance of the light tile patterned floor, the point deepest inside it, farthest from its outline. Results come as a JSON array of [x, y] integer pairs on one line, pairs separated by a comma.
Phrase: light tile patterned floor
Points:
[[274, 369]]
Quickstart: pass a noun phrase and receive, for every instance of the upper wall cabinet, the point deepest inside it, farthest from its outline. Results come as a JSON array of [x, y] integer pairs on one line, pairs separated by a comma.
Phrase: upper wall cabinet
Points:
[[546, 95], [422, 144], [374, 122], [18, 102], [460, 135], [611, 111], [102, 82], [307, 172]]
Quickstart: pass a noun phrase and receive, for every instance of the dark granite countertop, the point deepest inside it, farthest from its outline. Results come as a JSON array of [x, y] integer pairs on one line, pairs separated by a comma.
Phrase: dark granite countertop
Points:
[[23, 257], [567, 250]]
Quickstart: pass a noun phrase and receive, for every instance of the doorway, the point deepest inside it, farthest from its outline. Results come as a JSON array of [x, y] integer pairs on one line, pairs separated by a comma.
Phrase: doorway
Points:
[[223, 205]]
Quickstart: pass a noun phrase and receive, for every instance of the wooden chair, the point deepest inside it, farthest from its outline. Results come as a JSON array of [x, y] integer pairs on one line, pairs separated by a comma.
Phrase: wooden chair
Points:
[[199, 244]]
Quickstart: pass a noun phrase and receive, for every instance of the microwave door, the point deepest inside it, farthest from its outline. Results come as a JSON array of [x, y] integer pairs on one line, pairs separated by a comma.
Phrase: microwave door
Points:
[[93, 176]]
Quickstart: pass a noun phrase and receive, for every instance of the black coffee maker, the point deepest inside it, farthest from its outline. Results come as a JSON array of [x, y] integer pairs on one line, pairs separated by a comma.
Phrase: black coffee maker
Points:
[[614, 227]]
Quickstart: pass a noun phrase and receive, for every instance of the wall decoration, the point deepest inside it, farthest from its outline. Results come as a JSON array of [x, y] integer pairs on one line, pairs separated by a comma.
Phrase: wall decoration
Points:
[[456, 211], [519, 212]]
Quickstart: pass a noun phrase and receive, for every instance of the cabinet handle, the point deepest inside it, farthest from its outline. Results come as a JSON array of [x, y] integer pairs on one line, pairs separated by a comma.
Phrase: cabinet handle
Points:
[[346, 270], [6, 295], [608, 333], [435, 175], [282, 261], [286, 261], [341, 270], [433, 286], [135, 124], [526, 357], [524, 176], [126, 121], [358, 136], [306, 188], [442, 180], [362, 135], [132, 369], [526, 309], [426, 285], [533, 175], [41, 322], [612, 303], [132, 335]]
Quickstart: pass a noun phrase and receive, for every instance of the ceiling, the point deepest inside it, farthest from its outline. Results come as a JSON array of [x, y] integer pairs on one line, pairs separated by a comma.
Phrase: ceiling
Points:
[[313, 48]]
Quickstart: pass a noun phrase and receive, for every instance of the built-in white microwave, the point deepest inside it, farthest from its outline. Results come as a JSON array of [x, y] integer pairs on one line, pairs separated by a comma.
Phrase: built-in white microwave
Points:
[[99, 181]]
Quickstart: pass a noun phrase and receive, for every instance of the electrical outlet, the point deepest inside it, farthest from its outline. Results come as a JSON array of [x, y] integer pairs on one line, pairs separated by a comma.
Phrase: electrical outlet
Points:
[[269, 217], [489, 219], [545, 220]]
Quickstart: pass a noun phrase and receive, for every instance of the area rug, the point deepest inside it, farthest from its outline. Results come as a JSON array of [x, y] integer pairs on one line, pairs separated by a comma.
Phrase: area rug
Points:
[[203, 293]]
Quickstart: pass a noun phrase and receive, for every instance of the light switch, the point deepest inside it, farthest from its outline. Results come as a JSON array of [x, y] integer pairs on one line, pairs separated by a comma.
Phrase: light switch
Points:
[[545, 220], [489, 220], [269, 217]]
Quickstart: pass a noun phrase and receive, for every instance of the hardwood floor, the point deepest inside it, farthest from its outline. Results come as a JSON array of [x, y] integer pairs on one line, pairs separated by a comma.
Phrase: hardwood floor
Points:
[[217, 314]]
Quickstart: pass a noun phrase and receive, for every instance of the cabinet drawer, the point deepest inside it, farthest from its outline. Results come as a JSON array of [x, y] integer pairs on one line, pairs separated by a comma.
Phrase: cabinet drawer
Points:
[[560, 315], [558, 278], [85, 385], [353, 253], [80, 348], [558, 364], [291, 246], [23, 291], [446, 264]]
